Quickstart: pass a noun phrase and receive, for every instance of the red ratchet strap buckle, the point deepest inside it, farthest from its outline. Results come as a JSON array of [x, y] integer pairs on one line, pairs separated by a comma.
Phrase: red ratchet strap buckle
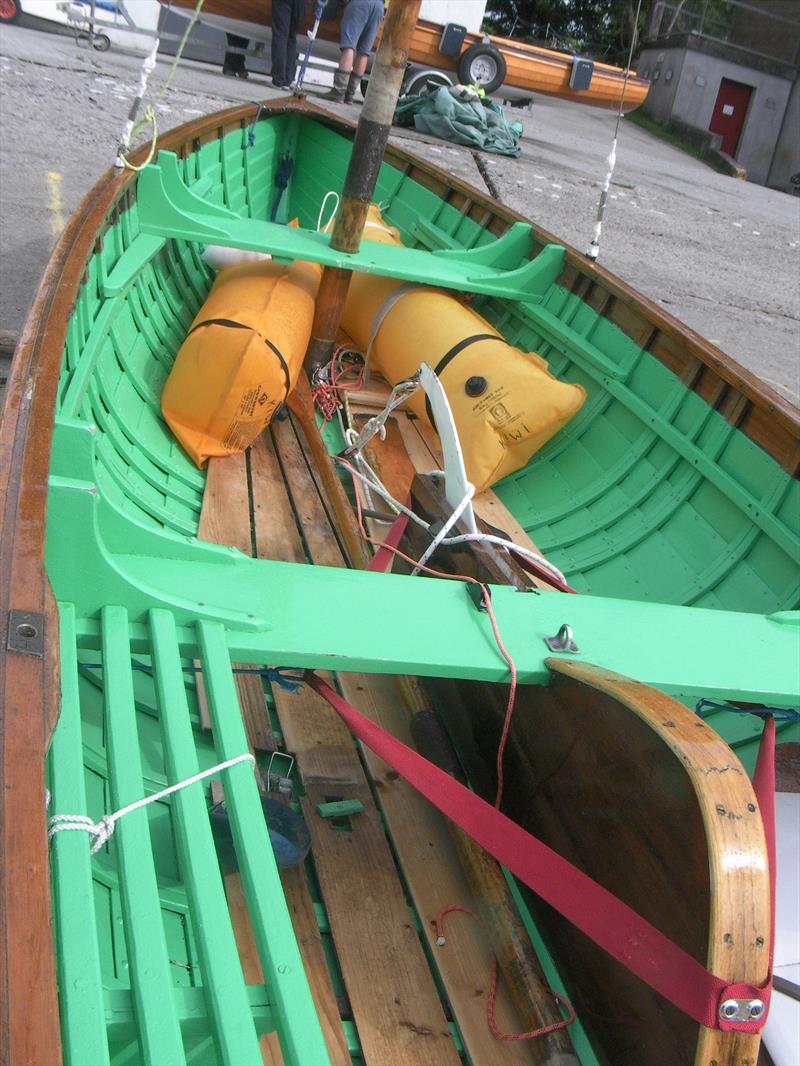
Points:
[[743, 1007]]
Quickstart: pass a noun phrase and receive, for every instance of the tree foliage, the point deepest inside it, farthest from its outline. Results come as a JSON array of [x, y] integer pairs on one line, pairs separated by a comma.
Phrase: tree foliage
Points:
[[601, 29]]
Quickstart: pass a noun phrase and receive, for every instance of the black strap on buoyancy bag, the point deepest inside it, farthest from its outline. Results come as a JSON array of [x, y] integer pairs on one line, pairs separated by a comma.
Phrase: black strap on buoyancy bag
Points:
[[229, 323], [449, 356]]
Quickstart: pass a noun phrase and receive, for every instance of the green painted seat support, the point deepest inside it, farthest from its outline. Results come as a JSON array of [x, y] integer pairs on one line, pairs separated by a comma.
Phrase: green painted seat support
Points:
[[141, 250], [162, 1020], [80, 986], [277, 946], [226, 996], [167, 208], [151, 980]]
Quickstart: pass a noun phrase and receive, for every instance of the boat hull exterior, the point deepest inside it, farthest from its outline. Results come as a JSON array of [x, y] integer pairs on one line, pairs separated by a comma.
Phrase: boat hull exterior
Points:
[[530, 69]]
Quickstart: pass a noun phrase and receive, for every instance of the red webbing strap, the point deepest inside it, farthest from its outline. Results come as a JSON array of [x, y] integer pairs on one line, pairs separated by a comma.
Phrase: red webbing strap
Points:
[[384, 555], [599, 914]]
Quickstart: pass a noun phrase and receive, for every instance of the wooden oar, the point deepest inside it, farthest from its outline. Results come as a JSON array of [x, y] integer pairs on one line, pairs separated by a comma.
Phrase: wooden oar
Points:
[[372, 134]]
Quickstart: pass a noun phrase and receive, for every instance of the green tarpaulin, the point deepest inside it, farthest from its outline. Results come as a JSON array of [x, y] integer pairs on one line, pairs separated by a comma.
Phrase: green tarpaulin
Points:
[[457, 114]]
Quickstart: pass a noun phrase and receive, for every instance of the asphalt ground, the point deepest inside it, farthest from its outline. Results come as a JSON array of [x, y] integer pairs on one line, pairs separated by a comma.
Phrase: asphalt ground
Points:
[[719, 253]]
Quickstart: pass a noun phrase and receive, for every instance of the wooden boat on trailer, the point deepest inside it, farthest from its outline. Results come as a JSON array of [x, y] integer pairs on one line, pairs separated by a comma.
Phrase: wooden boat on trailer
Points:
[[501, 64], [670, 502]]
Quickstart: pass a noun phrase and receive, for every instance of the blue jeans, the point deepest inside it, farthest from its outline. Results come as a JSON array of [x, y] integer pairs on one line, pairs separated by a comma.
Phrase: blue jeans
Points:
[[360, 23]]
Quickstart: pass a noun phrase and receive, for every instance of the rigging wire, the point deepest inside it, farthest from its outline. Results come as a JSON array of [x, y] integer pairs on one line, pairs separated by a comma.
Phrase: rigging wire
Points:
[[611, 161]]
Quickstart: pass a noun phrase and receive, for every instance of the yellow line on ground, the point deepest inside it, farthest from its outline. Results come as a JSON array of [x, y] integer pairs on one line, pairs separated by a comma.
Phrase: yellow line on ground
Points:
[[56, 203]]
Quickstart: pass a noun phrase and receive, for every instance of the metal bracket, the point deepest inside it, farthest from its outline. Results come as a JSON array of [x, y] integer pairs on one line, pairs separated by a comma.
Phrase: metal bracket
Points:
[[277, 782], [562, 641], [26, 633], [477, 595], [741, 1010]]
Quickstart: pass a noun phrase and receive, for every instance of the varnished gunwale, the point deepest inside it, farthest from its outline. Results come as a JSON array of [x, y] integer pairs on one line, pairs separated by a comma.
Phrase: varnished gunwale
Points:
[[29, 690]]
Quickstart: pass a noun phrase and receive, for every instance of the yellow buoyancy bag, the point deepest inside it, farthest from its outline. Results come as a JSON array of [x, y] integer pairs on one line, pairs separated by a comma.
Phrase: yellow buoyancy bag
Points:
[[506, 404], [241, 357]]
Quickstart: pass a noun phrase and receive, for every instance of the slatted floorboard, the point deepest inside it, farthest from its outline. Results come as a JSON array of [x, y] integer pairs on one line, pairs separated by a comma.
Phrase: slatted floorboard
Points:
[[390, 988]]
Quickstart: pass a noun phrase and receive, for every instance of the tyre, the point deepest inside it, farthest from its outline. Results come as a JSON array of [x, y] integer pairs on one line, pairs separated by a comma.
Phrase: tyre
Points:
[[418, 83], [101, 42], [10, 10], [482, 65]]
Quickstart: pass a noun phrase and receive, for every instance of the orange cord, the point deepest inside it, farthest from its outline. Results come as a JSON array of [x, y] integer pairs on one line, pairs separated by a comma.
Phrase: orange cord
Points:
[[492, 996], [487, 603]]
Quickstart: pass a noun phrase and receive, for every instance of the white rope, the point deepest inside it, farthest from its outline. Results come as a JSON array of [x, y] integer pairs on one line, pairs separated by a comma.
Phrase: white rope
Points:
[[148, 66], [372, 483], [511, 546], [326, 197], [441, 536], [101, 831]]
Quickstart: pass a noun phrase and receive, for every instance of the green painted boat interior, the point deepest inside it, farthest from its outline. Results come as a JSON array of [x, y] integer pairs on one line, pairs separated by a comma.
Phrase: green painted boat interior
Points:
[[647, 495]]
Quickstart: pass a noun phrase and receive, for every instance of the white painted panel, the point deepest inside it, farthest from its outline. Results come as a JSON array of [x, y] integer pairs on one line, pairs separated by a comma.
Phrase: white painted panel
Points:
[[467, 13]]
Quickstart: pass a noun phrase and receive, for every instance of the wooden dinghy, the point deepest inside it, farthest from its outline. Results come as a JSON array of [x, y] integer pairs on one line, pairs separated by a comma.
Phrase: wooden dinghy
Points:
[[507, 64], [138, 657]]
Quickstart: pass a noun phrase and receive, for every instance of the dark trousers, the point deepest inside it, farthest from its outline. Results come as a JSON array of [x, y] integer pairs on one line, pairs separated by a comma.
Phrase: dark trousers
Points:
[[286, 18]]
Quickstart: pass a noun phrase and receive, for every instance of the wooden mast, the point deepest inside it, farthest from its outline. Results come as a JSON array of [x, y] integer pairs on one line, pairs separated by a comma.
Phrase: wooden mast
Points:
[[372, 134]]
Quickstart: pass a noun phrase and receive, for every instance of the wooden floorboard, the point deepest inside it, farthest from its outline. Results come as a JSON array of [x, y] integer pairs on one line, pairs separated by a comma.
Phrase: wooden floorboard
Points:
[[225, 519], [392, 994], [420, 836]]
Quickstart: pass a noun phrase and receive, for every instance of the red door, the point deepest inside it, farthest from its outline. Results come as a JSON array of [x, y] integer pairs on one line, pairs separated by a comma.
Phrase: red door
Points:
[[730, 111]]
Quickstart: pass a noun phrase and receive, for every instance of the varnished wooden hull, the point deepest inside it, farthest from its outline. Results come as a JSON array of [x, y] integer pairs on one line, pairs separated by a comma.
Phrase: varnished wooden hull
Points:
[[530, 68]]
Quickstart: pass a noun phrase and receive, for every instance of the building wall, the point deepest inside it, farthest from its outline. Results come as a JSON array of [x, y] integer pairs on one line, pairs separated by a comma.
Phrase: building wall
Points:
[[692, 91], [663, 66], [786, 160]]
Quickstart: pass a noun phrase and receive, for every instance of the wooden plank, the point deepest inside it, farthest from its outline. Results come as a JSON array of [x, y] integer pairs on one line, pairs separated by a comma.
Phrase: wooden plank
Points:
[[424, 844], [246, 942], [225, 519], [395, 1004], [226, 515], [432, 871], [393, 997]]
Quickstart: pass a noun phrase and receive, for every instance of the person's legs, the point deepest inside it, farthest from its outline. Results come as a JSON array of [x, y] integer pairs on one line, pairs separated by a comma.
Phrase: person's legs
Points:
[[366, 38], [297, 16], [356, 13], [281, 19]]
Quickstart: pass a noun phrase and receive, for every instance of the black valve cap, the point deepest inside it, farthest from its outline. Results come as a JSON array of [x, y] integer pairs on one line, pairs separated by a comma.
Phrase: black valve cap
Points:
[[476, 386]]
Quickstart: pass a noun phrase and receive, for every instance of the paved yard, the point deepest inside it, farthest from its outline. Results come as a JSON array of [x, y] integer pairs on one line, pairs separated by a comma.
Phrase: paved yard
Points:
[[720, 254]]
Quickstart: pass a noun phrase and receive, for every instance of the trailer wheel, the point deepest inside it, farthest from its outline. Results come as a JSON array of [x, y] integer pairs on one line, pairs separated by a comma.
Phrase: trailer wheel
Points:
[[101, 42], [418, 83], [10, 10], [482, 65]]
